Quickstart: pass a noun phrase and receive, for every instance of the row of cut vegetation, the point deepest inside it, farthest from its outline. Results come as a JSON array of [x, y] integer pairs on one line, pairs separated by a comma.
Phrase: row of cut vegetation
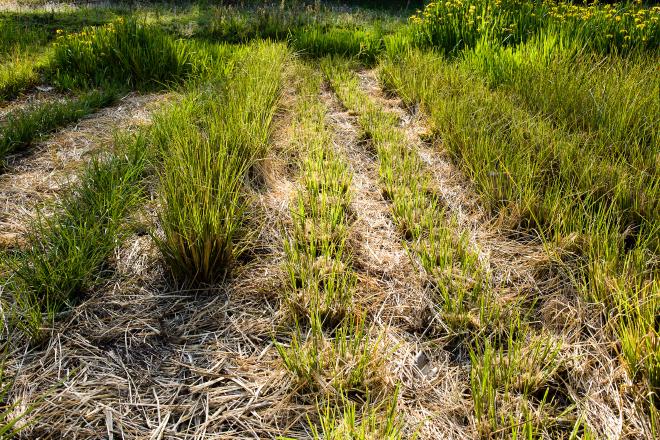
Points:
[[508, 373], [332, 353]]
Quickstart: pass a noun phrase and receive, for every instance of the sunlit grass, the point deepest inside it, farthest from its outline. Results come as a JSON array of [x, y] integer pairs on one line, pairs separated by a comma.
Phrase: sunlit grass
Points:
[[22, 128], [582, 177], [205, 165]]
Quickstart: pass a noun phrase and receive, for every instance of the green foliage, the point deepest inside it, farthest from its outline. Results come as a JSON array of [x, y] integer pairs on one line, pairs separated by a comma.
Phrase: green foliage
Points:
[[570, 153], [318, 42], [458, 24], [17, 36], [207, 147], [125, 52], [381, 421], [17, 74], [350, 361]]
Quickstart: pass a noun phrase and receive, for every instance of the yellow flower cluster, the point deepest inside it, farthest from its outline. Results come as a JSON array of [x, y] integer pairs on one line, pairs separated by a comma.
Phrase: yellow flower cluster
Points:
[[438, 11], [607, 12], [623, 22]]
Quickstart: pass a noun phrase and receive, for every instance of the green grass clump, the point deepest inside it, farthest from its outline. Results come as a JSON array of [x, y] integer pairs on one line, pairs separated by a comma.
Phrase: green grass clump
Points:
[[125, 52], [380, 421], [18, 36], [19, 73], [350, 360], [24, 127], [512, 387], [316, 41], [66, 251], [215, 143]]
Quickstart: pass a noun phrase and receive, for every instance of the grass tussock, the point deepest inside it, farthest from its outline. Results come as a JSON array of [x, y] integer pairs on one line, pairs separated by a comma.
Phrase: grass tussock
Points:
[[125, 52], [349, 360], [380, 421], [219, 135]]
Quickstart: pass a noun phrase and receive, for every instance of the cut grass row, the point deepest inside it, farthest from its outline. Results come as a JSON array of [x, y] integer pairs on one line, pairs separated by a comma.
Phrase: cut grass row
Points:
[[332, 353], [417, 209], [509, 373], [598, 210]]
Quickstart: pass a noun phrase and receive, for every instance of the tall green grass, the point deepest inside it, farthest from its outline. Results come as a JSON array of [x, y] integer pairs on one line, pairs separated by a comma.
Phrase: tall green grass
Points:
[[24, 127], [207, 150], [66, 251], [584, 177], [21, 56], [610, 98], [19, 72], [18, 36], [318, 42]]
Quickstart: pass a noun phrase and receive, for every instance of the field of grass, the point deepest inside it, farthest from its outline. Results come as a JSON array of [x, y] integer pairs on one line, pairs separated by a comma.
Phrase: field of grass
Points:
[[347, 220]]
